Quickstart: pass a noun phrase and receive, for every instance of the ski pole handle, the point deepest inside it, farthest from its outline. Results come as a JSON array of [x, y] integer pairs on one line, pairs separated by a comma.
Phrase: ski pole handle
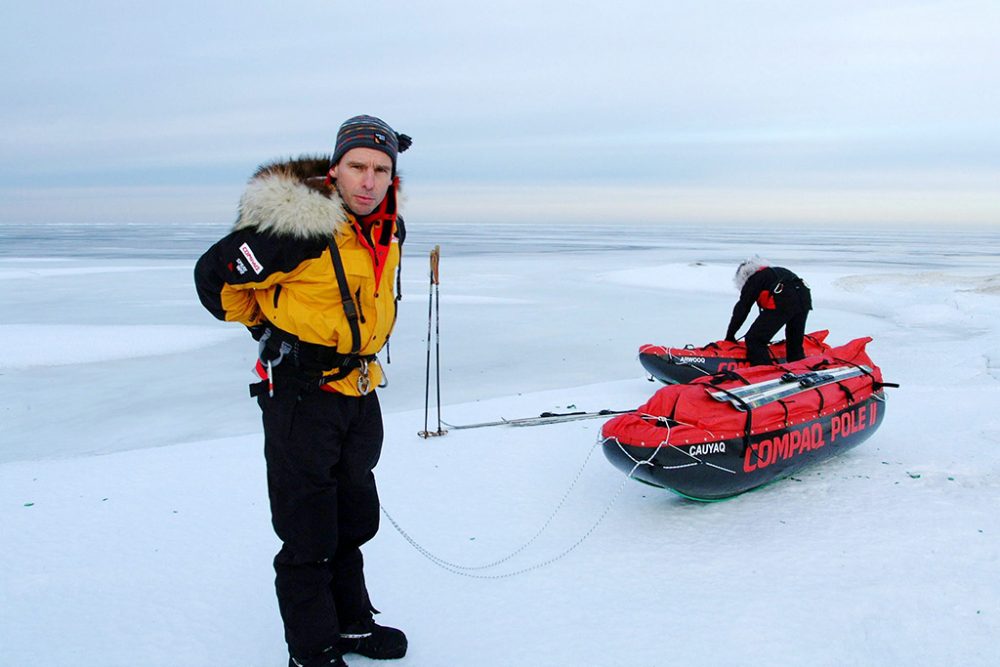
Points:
[[435, 260]]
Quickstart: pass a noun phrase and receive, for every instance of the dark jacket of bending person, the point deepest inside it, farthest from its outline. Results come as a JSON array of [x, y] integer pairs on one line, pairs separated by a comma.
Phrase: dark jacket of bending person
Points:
[[784, 300]]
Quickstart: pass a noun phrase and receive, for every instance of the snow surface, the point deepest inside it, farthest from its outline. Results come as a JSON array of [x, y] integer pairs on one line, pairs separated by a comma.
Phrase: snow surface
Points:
[[133, 500]]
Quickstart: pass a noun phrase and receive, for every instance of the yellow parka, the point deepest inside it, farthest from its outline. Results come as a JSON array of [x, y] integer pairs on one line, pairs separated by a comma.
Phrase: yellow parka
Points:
[[275, 267]]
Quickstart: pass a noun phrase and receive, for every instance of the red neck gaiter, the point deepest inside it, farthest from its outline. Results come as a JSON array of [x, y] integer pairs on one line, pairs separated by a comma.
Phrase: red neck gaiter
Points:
[[375, 230]]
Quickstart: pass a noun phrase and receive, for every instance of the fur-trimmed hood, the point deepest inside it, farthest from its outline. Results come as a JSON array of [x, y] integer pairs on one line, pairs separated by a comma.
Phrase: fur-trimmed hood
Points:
[[292, 198], [747, 268]]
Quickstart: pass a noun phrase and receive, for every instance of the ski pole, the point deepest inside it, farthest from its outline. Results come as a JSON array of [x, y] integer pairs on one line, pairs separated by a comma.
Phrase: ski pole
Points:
[[436, 280], [434, 257], [427, 375]]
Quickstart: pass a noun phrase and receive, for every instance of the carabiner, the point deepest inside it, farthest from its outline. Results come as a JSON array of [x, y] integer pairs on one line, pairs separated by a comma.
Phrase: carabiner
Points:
[[364, 381]]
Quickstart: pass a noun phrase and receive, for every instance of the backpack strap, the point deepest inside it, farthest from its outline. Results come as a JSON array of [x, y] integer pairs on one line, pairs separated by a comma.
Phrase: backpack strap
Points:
[[350, 308]]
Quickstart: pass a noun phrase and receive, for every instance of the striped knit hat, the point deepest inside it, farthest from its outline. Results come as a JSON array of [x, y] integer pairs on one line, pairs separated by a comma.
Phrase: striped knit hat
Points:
[[369, 132]]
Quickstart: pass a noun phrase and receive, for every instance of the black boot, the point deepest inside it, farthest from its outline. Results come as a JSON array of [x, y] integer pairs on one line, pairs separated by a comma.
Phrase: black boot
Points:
[[328, 658], [371, 640]]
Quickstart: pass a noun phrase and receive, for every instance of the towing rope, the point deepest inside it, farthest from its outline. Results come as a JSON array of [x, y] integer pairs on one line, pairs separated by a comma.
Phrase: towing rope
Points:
[[471, 570]]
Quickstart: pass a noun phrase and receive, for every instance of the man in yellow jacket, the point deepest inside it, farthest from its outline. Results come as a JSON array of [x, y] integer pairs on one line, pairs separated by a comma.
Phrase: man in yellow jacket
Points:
[[311, 269]]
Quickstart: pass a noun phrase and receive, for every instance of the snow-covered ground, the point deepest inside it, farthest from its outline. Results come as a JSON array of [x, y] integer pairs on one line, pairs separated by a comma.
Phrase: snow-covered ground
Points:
[[133, 501]]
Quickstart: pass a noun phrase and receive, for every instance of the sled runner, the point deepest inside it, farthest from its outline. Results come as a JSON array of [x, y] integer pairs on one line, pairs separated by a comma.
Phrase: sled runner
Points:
[[721, 435], [677, 365]]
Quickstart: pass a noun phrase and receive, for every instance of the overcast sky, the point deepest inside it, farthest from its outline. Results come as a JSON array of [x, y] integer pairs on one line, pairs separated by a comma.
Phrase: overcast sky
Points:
[[694, 111]]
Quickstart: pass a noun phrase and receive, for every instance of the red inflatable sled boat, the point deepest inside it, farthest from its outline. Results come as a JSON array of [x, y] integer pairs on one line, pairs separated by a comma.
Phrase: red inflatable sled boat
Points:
[[722, 435], [677, 365]]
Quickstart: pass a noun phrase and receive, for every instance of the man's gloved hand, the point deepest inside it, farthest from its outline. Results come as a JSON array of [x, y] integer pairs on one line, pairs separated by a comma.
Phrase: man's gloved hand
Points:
[[259, 331], [404, 141], [270, 352]]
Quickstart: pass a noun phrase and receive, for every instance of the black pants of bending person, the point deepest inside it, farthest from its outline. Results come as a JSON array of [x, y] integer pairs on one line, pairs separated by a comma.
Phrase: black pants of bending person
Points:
[[320, 449], [764, 328]]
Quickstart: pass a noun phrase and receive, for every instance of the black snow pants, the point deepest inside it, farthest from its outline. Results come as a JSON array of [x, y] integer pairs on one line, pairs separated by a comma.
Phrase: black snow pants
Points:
[[791, 313], [320, 449]]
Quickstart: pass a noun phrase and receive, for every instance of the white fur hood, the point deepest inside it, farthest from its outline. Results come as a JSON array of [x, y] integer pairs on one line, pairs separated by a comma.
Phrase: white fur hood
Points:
[[747, 268], [292, 198]]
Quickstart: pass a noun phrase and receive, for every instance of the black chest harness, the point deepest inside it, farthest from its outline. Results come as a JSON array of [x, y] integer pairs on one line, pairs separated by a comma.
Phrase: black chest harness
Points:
[[309, 361]]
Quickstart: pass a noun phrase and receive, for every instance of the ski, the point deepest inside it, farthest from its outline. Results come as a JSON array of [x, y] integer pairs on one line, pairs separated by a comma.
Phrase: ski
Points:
[[762, 393], [787, 378], [542, 419]]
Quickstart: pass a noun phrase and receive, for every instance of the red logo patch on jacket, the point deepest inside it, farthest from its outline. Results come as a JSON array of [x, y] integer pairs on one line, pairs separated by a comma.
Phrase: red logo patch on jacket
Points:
[[254, 264]]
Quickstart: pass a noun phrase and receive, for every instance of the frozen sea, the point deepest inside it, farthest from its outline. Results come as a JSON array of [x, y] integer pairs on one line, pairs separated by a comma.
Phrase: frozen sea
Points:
[[131, 479]]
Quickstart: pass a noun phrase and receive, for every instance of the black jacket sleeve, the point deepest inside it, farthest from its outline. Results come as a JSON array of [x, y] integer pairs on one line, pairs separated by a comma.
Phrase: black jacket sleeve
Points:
[[755, 284], [229, 272], [210, 279], [741, 310]]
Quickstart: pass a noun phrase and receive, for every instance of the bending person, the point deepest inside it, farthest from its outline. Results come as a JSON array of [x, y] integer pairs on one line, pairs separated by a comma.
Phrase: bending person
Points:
[[784, 300]]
